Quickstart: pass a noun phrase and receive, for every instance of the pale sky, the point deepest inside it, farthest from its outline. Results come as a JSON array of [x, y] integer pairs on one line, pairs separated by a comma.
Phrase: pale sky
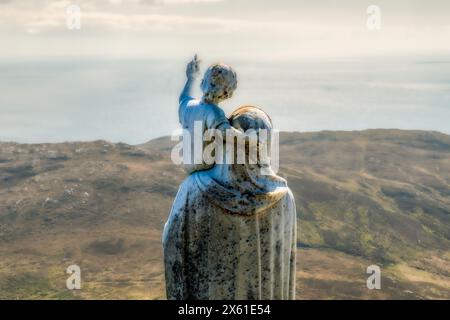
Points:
[[249, 29]]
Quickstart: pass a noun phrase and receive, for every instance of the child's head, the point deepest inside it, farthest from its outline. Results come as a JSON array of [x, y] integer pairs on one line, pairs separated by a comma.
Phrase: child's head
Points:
[[219, 83]]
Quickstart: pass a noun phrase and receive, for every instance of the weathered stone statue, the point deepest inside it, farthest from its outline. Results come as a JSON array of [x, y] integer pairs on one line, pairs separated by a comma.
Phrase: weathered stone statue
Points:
[[231, 233]]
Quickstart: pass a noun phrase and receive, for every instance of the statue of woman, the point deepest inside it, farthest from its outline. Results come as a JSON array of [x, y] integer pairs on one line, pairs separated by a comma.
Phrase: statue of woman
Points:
[[231, 233]]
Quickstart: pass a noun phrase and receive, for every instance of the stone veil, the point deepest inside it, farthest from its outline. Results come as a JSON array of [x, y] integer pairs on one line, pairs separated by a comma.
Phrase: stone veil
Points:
[[231, 233]]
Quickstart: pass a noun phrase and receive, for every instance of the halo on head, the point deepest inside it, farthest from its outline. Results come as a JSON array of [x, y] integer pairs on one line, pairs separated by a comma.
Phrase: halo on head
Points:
[[251, 112], [255, 124]]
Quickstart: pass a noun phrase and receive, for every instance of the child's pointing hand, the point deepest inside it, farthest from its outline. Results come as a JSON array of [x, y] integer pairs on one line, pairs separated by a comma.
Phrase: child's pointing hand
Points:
[[192, 68]]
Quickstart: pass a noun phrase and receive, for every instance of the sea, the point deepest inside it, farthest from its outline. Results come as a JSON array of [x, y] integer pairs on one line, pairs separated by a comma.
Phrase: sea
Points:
[[135, 100]]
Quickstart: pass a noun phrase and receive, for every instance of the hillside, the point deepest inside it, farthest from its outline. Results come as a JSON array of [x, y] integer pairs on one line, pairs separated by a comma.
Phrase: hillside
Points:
[[368, 197]]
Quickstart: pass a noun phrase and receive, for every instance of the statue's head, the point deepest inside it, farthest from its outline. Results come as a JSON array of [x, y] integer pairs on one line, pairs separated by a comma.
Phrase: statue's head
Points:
[[219, 83], [249, 117], [254, 121]]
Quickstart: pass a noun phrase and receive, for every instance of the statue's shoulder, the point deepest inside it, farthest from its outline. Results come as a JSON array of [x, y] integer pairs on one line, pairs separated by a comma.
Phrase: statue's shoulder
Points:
[[215, 116], [212, 109], [191, 103], [189, 182], [205, 110], [190, 185], [290, 198]]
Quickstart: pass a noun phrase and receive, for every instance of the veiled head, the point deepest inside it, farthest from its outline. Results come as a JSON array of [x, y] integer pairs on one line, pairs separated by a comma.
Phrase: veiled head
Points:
[[252, 119], [249, 117]]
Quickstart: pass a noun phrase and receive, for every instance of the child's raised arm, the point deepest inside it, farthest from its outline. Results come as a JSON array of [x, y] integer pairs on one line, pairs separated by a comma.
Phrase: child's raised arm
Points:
[[192, 70]]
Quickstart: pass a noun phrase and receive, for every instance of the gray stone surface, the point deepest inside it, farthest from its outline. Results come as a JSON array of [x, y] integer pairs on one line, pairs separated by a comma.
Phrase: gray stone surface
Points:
[[231, 233]]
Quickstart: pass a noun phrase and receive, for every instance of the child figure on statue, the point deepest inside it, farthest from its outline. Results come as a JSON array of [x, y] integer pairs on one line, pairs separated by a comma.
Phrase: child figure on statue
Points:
[[199, 115]]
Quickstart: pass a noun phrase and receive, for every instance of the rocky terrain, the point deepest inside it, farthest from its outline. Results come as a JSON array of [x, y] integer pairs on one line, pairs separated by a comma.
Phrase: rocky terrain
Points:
[[370, 197]]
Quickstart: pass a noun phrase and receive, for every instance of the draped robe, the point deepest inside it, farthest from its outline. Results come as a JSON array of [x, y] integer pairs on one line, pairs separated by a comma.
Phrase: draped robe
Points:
[[231, 234]]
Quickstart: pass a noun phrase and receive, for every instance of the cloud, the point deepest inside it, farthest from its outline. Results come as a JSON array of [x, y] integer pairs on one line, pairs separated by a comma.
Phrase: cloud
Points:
[[166, 26], [44, 16], [131, 15]]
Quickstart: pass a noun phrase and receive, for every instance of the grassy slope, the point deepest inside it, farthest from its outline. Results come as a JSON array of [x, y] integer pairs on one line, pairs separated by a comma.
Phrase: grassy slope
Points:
[[372, 197]]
